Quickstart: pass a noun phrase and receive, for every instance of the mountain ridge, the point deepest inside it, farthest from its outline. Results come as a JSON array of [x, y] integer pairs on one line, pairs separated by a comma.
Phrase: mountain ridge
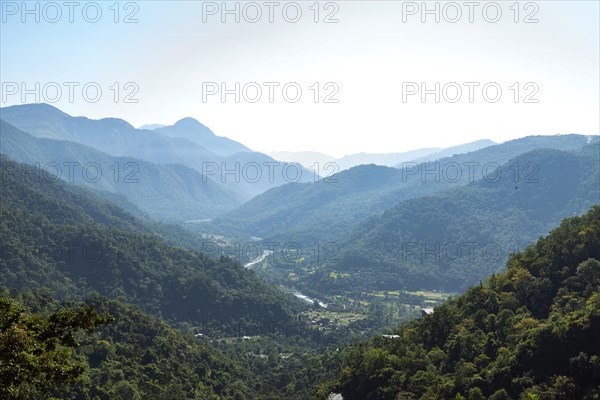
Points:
[[406, 243], [162, 191], [168, 145], [325, 209]]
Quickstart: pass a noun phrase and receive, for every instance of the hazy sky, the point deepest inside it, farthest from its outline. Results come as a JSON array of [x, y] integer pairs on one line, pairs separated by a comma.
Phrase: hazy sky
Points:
[[377, 53]]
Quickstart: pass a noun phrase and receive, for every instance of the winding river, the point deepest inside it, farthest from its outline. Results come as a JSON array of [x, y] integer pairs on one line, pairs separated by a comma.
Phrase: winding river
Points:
[[258, 259]]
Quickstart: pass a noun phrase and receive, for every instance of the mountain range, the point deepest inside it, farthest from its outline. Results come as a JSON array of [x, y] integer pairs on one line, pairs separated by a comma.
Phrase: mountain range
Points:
[[188, 143], [450, 240], [309, 158], [171, 192], [105, 228], [323, 211]]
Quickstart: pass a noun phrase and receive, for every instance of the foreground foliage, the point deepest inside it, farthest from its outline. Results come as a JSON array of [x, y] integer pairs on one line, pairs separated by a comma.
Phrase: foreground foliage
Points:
[[36, 352]]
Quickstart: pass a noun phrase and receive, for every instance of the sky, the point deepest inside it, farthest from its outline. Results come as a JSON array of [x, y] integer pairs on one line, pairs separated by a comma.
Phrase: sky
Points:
[[337, 77]]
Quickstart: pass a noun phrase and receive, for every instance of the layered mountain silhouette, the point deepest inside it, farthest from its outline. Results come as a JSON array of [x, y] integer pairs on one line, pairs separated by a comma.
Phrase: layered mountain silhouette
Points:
[[188, 143], [171, 192], [451, 239], [326, 209], [309, 158]]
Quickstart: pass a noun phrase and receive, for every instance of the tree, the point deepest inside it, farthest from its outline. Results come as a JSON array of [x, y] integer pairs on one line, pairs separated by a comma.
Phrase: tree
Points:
[[36, 353]]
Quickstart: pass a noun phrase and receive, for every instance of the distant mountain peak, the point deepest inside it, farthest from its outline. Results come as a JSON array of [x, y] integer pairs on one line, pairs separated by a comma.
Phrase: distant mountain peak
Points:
[[191, 129], [37, 107], [114, 122], [189, 122]]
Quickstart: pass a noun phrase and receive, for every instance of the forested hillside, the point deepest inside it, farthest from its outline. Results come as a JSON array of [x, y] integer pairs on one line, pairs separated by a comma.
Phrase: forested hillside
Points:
[[328, 209], [95, 305], [453, 239], [531, 332], [312, 200], [64, 238], [108, 349]]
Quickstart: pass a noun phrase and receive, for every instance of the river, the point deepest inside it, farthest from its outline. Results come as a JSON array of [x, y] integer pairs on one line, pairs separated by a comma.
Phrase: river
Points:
[[309, 300], [258, 259], [299, 295]]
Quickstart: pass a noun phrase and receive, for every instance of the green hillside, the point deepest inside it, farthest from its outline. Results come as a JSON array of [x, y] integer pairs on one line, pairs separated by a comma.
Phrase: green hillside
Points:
[[531, 332], [453, 239], [64, 238], [328, 209]]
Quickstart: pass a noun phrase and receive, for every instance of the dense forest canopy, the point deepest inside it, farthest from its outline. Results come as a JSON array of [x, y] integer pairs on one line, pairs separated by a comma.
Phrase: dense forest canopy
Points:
[[531, 332], [65, 238]]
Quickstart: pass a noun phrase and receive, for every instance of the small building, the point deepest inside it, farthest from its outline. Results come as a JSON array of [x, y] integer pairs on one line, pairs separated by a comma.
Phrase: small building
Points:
[[391, 336], [426, 311]]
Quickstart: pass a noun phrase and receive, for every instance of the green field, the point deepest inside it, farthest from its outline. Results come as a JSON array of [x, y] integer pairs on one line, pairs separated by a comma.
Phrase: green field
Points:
[[336, 275], [431, 295], [340, 317]]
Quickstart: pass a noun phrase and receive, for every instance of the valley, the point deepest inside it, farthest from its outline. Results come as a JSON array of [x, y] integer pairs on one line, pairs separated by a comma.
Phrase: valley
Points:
[[285, 305], [340, 200]]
